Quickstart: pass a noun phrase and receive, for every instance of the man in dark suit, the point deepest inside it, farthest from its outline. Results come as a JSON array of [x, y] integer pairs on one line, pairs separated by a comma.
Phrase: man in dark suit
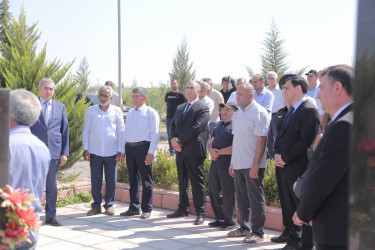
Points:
[[52, 128], [324, 192], [189, 136], [296, 137]]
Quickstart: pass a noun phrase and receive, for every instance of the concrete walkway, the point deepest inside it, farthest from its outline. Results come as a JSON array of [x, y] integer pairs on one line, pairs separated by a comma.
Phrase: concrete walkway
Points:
[[158, 232]]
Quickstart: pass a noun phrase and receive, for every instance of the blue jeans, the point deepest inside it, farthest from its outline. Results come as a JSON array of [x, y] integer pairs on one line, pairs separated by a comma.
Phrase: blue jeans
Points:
[[110, 170], [171, 149]]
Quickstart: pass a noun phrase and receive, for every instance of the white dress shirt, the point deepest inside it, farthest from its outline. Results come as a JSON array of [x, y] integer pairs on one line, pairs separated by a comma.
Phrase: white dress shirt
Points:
[[233, 97], [103, 132], [209, 103], [143, 125], [278, 102], [247, 125]]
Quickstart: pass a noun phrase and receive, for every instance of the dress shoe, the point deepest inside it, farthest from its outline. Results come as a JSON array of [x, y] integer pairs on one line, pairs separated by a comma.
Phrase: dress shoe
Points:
[[94, 210], [289, 247], [145, 215], [199, 220], [109, 211], [178, 213], [215, 223], [281, 238], [130, 213], [53, 222]]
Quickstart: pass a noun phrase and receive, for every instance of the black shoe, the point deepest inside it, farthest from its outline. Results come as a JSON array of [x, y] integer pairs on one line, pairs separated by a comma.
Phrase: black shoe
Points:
[[199, 220], [53, 222], [178, 213], [289, 247], [130, 213], [215, 223], [281, 238]]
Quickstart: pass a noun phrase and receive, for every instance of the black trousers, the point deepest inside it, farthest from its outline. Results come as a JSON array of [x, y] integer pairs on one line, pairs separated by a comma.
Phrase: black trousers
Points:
[[291, 202], [222, 194], [135, 161], [329, 247], [191, 168]]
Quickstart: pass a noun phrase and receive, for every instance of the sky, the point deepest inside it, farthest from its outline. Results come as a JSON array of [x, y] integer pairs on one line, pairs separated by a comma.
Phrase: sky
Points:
[[222, 35]]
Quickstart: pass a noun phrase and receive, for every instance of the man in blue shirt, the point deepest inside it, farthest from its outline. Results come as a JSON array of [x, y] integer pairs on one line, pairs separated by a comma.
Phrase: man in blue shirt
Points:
[[29, 158], [262, 96]]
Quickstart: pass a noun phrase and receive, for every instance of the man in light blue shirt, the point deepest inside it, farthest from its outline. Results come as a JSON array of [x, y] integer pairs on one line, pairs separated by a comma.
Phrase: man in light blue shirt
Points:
[[262, 96], [29, 157], [141, 137], [103, 145]]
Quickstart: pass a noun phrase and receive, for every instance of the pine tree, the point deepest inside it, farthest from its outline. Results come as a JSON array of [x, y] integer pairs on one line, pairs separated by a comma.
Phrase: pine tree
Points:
[[5, 18], [22, 67], [82, 74], [182, 68], [274, 57]]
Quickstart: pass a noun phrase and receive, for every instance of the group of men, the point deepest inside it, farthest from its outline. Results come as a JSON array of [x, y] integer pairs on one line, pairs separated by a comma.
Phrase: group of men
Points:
[[313, 185], [289, 117]]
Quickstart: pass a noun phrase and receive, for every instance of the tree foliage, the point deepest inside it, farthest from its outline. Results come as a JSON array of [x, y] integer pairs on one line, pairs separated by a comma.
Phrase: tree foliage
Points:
[[274, 56], [22, 67], [182, 69], [5, 18], [82, 74]]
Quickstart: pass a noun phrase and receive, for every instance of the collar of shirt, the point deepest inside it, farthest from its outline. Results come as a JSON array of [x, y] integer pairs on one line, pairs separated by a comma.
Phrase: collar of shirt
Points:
[[20, 129], [248, 107], [297, 104], [276, 88], [261, 93], [194, 101], [43, 101], [338, 112], [141, 107]]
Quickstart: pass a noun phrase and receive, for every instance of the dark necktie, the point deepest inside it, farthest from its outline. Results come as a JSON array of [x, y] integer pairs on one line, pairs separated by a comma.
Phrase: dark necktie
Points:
[[290, 113], [186, 109]]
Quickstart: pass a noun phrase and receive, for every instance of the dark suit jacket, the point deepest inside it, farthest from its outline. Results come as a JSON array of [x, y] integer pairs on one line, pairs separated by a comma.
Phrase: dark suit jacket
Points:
[[56, 135], [296, 138], [324, 195], [191, 129]]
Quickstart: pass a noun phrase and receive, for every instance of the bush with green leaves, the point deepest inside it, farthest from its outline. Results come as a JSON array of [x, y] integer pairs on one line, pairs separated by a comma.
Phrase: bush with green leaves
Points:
[[270, 185], [164, 171], [81, 197]]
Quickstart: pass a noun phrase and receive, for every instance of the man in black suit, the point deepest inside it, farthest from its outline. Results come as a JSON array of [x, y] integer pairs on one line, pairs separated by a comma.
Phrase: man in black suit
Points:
[[324, 192], [296, 137], [189, 136]]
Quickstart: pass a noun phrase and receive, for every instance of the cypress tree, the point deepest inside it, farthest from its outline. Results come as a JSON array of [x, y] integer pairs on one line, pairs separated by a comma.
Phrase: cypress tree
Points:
[[82, 74], [182, 69], [22, 67], [5, 18]]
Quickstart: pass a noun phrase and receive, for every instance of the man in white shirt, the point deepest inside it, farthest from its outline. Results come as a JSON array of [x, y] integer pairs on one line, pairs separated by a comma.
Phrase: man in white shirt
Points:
[[218, 98], [278, 103], [233, 96], [141, 140], [203, 96], [248, 163], [115, 97], [103, 145]]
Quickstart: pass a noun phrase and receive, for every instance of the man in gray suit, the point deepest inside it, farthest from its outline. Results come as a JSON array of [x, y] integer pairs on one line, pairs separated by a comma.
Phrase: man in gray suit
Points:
[[52, 128]]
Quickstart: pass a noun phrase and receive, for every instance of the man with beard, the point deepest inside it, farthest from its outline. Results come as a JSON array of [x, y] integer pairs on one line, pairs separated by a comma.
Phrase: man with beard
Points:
[[103, 145]]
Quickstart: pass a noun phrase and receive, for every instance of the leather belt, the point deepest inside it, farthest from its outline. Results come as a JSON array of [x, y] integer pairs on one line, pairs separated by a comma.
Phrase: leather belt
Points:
[[133, 144]]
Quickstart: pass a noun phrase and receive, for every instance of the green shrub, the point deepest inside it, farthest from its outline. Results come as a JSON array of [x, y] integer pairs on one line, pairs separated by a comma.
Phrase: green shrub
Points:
[[81, 197], [122, 173], [164, 171], [206, 170], [270, 185]]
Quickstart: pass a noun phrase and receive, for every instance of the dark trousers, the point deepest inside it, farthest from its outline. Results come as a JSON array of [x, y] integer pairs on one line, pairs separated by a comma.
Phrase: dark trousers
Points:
[[171, 149], [191, 168], [291, 202], [222, 195], [250, 200], [51, 188], [135, 161], [97, 163], [271, 137]]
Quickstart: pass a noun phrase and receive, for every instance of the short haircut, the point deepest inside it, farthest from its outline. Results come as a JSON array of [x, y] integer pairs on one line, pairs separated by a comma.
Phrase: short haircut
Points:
[[207, 80], [261, 78], [225, 79], [106, 88], [340, 73], [196, 83], [174, 80], [299, 80], [24, 107], [243, 80], [108, 82], [142, 91], [46, 80], [273, 73], [249, 88]]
